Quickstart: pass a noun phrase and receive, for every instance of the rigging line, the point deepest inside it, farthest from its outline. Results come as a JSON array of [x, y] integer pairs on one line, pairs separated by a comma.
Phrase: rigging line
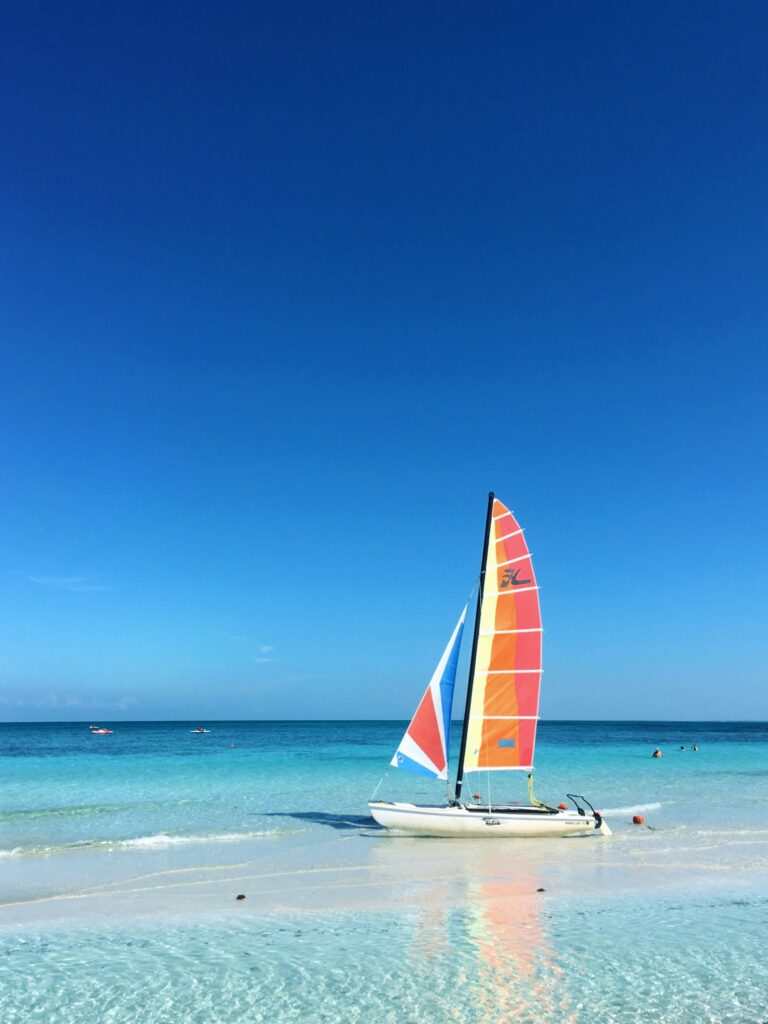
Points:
[[473, 591], [378, 787]]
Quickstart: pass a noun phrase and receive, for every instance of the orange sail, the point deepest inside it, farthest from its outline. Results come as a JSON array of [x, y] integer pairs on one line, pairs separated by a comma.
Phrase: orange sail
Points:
[[504, 704]]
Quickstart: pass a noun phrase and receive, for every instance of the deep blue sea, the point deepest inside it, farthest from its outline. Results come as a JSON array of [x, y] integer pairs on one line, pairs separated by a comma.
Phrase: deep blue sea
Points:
[[121, 855]]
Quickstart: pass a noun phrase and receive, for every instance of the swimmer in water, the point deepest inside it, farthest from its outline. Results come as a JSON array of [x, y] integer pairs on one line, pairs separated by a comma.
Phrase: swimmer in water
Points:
[[657, 753]]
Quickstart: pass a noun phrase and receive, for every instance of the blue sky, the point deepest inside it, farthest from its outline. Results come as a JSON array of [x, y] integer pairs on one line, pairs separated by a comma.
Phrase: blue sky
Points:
[[286, 289]]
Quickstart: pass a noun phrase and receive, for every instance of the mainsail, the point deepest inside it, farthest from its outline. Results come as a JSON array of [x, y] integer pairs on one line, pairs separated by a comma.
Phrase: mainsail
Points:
[[424, 748], [503, 707]]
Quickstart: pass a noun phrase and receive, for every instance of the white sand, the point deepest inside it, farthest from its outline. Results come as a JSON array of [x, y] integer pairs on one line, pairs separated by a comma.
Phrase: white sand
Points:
[[331, 870]]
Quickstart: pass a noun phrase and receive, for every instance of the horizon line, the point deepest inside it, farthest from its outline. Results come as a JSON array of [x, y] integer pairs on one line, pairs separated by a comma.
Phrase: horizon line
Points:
[[454, 721]]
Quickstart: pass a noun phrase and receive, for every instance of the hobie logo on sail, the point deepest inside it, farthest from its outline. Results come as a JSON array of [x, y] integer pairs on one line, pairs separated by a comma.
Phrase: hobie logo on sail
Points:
[[511, 578]]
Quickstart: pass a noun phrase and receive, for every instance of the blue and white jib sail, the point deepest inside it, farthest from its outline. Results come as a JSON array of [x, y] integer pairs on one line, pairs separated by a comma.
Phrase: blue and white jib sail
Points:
[[424, 748]]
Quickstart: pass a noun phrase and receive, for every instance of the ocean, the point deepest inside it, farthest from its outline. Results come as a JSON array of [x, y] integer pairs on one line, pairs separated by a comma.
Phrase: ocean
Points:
[[121, 857]]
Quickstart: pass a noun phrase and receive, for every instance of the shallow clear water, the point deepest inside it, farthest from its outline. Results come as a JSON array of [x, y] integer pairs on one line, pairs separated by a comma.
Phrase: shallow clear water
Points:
[[120, 857], [504, 956]]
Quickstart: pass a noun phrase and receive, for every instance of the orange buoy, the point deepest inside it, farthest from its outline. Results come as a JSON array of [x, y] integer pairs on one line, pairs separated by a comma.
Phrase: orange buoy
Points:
[[638, 820], [477, 796], [563, 807]]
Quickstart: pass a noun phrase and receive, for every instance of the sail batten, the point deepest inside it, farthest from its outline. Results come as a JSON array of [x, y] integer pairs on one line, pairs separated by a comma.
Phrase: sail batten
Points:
[[508, 671], [506, 718], [503, 712]]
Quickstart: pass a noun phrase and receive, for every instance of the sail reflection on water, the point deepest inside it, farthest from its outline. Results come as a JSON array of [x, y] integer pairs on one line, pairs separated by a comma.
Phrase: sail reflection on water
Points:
[[479, 934], [515, 968]]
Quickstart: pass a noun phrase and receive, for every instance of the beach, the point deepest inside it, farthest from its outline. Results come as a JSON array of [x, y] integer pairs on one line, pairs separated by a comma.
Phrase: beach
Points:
[[121, 858]]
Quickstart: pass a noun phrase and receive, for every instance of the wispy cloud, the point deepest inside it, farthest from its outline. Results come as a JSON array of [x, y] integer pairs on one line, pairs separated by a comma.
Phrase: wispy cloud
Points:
[[264, 649], [73, 584]]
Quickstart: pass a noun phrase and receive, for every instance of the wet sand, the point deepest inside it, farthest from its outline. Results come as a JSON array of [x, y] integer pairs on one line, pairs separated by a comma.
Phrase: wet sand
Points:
[[365, 868]]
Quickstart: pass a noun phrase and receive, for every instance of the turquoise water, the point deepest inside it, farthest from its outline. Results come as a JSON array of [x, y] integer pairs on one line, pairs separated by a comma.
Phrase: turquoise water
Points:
[[686, 962], [156, 782], [120, 857]]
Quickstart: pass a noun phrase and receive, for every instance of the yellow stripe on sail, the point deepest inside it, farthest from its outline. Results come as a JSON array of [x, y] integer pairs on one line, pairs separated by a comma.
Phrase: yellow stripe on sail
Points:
[[482, 660]]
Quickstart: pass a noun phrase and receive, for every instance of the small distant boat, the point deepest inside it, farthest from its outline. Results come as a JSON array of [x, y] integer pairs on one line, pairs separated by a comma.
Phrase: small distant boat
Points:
[[100, 732], [501, 713], [199, 730]]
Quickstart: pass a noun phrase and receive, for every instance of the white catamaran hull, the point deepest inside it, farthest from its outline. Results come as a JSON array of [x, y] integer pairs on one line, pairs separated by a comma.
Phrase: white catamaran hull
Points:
[[498, 822]]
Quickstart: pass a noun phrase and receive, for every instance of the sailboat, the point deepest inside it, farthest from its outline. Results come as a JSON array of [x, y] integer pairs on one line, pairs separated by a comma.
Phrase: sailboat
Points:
[[501, 712]]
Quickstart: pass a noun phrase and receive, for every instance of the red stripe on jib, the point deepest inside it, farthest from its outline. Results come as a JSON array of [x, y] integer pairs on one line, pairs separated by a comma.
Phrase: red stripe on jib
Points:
[[425, 732]]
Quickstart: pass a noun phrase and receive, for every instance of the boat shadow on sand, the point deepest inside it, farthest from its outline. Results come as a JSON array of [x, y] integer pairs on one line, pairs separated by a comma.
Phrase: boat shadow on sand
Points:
[[341, 822]]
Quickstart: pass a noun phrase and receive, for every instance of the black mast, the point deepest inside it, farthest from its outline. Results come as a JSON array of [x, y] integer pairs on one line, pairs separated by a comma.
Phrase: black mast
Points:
[[470, 681]]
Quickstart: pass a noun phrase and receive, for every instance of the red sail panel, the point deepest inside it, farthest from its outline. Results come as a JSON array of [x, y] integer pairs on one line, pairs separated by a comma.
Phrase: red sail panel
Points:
[[425, 731]]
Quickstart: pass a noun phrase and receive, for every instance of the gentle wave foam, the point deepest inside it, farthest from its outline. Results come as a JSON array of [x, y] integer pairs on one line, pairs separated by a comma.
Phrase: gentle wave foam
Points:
[[162, 839], [158, 841], [634, 809]]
